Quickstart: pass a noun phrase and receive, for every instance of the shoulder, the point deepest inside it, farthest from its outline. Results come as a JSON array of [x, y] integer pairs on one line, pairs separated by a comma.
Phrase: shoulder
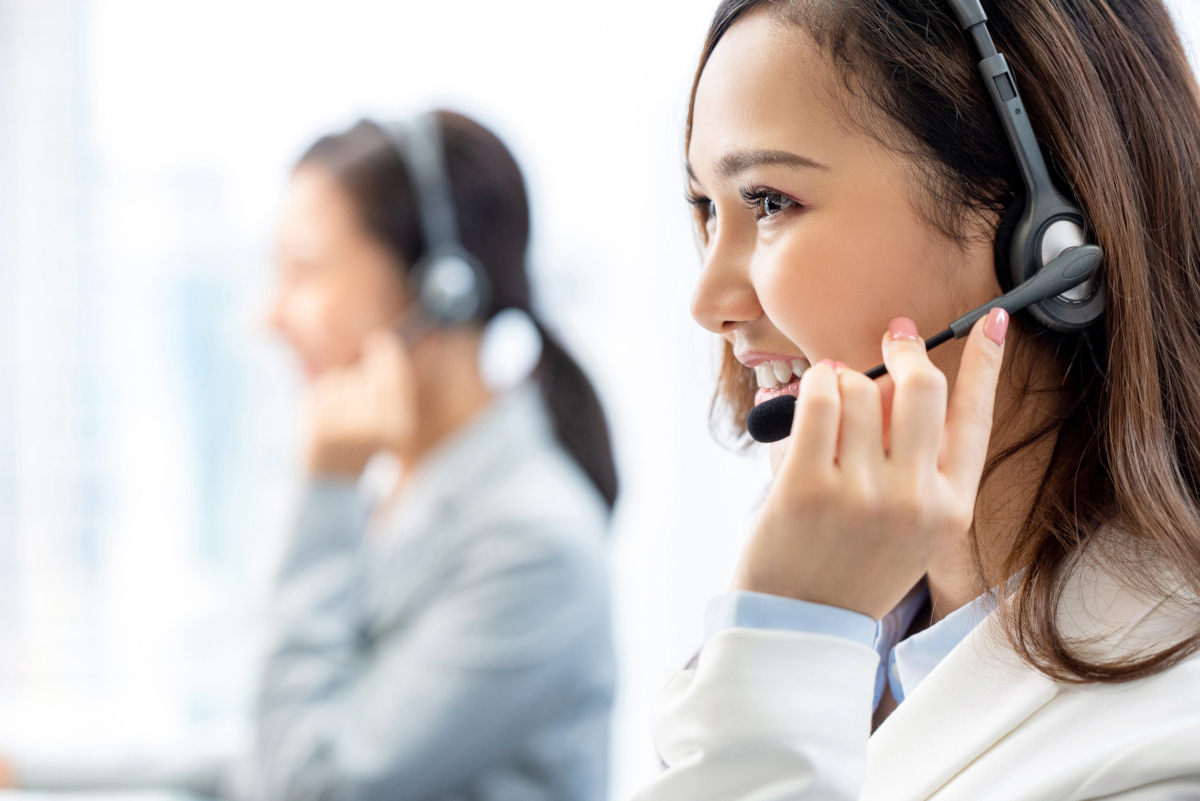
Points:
[[1136, 734], [1120, 605], [1120, 602], [543, 494], [529, 575], [526, 513]]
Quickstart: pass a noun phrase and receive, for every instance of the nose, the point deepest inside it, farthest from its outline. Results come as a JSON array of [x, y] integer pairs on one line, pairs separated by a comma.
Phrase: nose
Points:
[[724, 297]]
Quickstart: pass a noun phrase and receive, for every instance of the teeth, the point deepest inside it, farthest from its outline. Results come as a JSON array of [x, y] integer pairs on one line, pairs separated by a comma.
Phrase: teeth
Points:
[[776, 373], [766, 376]]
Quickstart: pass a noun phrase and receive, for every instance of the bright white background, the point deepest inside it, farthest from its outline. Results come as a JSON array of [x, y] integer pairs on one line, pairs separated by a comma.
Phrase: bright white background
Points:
[[146, 417]]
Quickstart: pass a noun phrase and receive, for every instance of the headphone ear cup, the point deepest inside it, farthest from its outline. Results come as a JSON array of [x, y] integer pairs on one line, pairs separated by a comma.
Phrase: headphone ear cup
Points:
[[452, 287], [1003, 242], [1052, 317]]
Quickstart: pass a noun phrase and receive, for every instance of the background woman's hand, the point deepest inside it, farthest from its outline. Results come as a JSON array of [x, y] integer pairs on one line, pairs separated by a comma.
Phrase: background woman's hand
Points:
[[356, 412], [852, 523]]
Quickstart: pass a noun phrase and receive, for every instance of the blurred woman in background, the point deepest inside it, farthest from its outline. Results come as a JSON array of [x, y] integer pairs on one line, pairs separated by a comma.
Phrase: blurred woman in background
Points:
[[457, 642], [452, 638]]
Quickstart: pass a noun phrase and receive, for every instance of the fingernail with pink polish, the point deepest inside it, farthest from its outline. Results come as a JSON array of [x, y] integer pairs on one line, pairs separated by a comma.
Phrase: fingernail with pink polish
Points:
[[996, 325], [903, 328], [828, 363]]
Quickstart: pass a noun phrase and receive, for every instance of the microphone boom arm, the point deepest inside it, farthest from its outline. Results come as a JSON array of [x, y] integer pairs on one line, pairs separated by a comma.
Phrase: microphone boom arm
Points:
[[1072, 268]]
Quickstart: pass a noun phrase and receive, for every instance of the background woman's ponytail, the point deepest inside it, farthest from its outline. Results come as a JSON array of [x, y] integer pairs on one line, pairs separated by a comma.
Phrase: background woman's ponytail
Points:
[[576, 413], [493, 221]]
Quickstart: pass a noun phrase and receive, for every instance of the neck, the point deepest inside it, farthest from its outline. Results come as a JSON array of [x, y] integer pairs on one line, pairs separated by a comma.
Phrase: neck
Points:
[[450, 395], [1008, 493]]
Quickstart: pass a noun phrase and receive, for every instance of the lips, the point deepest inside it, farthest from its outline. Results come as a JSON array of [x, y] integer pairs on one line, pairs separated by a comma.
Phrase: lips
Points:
[[778, 377]]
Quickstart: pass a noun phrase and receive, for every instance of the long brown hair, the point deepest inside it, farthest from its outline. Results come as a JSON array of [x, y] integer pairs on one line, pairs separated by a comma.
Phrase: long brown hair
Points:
[[1115, 103], [493, 220]]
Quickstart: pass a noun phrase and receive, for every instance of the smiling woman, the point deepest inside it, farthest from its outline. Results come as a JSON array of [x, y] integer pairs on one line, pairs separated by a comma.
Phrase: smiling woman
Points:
[[956, 593]]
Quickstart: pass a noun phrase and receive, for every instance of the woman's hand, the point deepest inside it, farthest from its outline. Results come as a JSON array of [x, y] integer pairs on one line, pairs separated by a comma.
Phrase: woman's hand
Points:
[[853, 524], [354, 413]]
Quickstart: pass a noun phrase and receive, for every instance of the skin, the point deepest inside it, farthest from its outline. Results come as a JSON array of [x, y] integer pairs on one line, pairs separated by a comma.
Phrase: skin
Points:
[[340, 294], [876, 488]]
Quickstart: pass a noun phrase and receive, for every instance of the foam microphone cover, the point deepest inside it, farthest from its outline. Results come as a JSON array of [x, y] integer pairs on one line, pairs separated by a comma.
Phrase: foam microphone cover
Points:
[[772, 421]]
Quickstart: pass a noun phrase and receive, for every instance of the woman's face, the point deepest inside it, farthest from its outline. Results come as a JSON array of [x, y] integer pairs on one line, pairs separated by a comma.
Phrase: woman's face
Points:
[[813, 240], [336, 282]]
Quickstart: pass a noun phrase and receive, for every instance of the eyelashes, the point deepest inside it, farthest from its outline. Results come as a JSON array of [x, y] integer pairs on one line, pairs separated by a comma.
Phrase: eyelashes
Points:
[[766, 202], [763, 201], [704, 207]]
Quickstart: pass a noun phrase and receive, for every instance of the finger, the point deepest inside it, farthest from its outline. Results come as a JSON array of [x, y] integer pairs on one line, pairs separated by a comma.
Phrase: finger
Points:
[[384, 354], [860, 447], [319, 393], [382, 344], [338, 400], [321, 406], [918, 401], [969, 418], [818, 413], [393, 386]]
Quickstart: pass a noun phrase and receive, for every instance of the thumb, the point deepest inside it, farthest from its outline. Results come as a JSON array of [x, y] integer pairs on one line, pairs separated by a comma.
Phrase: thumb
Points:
[[389, 372], [383, 348]]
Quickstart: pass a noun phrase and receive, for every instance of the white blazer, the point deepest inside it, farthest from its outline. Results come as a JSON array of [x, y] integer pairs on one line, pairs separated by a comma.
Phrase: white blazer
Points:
[[770, 715]]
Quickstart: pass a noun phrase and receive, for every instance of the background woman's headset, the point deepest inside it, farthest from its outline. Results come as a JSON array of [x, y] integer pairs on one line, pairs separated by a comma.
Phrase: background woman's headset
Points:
[[450, 286], [1046, 270]]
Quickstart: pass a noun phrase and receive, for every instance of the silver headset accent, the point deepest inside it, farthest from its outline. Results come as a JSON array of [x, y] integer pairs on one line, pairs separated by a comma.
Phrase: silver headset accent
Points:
[[450, 284], [1043, 222]]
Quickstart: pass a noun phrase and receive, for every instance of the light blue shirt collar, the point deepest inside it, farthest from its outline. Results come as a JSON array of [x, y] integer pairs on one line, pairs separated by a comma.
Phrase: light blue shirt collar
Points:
[[903, 663], [890, 631], [910, 660]]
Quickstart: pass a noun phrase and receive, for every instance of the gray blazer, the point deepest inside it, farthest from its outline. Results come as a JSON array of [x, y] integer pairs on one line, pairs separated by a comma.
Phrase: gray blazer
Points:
[[462, 648]]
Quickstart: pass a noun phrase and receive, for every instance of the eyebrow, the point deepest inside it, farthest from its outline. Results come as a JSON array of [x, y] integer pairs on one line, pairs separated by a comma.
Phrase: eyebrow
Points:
[[733, 164]]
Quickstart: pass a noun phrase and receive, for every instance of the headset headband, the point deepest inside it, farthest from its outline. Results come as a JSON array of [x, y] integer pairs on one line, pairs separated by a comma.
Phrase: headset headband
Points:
[[451, 285], [998, 80], [1044, 222], [418, 142]]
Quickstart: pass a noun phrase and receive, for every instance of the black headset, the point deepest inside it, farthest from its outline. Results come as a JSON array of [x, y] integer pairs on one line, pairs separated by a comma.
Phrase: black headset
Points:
[[1046, 269], [450, 285], [1042, 222]]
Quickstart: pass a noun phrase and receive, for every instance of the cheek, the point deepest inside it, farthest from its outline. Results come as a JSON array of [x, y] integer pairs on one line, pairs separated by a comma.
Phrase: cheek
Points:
[[809, 287], [308, 314], [836, 279], [314, 329]]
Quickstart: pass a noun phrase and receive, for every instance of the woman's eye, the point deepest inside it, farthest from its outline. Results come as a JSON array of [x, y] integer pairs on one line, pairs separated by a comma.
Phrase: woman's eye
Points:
[[771, 203], [705, 208], [767, 202]]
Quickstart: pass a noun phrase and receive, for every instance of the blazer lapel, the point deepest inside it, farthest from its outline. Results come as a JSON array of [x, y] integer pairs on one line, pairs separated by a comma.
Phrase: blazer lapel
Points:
[[978, 694]]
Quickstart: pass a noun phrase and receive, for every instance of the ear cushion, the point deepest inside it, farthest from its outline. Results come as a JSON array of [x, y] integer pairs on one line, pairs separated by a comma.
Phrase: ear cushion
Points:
[[1003, 243]]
